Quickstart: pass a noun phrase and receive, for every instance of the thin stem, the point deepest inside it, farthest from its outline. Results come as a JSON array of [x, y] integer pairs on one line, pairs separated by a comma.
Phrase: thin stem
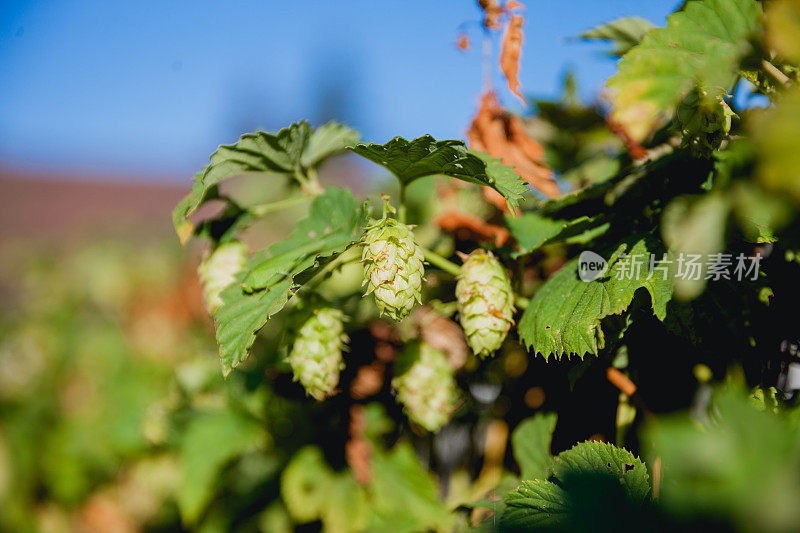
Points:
[[439, 261], [775, 72], [401, 211], [263, 209], [320, 276]]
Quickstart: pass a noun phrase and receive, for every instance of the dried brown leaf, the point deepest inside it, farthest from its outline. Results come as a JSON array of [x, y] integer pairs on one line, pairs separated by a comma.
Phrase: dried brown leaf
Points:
[[503, 135], [443, 334], [512, 50], [473, 227], [492, 12]]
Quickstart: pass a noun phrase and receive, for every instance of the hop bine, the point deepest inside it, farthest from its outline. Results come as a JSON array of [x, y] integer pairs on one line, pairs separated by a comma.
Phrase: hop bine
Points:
[[426, 386], [485, 302], [393, 268], [219, 270], [316, 357]]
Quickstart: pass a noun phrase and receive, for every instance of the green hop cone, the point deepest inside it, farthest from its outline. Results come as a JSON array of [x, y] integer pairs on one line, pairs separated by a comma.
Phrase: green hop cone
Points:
[[425, 386], [485, 302], [393, 269], [704, 120], [316, 357], [219, 270]]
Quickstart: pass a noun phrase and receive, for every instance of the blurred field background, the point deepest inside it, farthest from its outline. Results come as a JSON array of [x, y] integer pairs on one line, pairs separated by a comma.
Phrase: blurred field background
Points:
[[110, 391]]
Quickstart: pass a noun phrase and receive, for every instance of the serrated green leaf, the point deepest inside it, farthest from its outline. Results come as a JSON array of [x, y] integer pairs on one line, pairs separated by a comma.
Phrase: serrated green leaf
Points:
[[604, 459], [209, 442], [285, 152], [404, 496], [595, 470], [705, 42], [624, 33], [535, 504], [327, 140], [335, 220], [425, 156], [531, 444], [564, 316]]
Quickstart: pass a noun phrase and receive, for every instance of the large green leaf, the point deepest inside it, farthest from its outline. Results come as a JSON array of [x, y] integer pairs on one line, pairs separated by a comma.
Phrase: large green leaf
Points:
[[287, 152], [624, 33], [564, 316], [742, 463], [404, 496], [531, 445], [588, 470], [425, 156], [602, 458], [705, 42], [335, 220], [536, 503], [209, 442]]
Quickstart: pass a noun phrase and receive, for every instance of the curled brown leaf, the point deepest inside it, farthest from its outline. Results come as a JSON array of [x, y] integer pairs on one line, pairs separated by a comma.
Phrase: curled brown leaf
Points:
[[473, 227], [511, 50], [503, 135]]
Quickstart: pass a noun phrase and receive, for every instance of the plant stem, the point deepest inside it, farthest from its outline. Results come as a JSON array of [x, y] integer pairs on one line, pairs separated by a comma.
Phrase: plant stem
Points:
[[775, 72], [439, 261], [401, 211], [263, 209]]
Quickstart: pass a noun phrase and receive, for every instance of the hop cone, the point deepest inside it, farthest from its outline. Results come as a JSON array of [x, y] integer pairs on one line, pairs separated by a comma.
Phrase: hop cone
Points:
[[393, 268], [704, 122], [219, 270], [485, 302], [316, 356], [426, 387]]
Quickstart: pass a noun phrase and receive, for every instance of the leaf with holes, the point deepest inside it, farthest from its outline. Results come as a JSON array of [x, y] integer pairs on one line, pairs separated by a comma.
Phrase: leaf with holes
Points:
[[563, 319]]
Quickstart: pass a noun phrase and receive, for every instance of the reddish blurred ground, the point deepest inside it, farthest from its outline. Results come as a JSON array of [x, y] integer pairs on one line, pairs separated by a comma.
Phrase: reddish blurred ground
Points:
[[58, 208]]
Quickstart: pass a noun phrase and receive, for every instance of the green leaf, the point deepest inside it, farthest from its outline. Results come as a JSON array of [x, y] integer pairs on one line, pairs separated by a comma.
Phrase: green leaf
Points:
[[305, 484], [532, 230], [534, 504], [345, 509], [209, 442], [705, 42], [624, 33], [425, 156], [335, 220], [404, 496], [287, 152], [695, 226], [564, 316], [602, 458], [775, 133], [327, 140], [531, 444], [588, 470], [741, 464]]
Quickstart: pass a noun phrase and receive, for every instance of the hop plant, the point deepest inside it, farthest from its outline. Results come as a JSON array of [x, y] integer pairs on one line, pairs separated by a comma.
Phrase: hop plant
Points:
[[485, 302], [393, 268], [704, 120], [316, 357], [426, 387], [219, 270]]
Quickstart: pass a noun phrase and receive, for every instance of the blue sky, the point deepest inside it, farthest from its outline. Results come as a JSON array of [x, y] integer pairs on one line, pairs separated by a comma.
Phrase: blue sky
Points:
[[150, 88]]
